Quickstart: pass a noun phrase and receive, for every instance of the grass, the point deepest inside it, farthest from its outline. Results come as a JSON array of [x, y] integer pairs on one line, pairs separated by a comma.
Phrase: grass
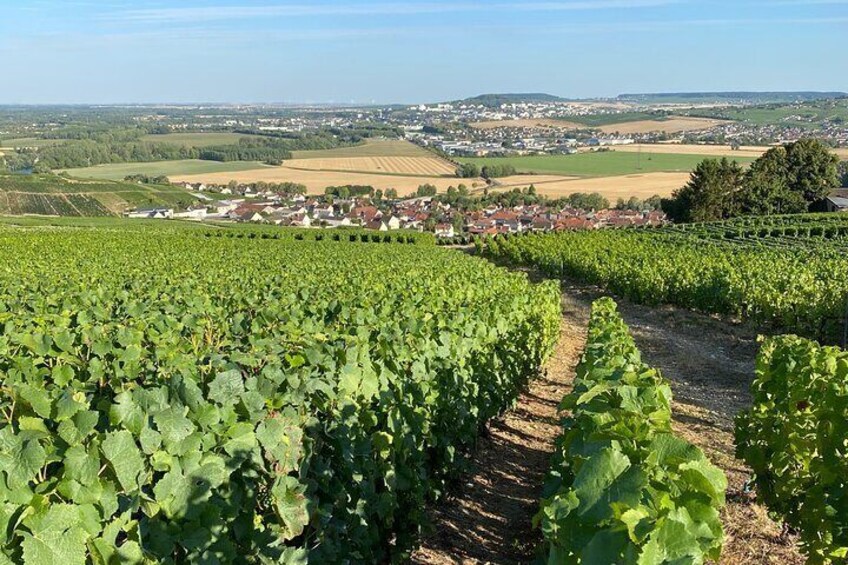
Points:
[[805, 115], [598, 164], [29, 142], [197, 139], [118, 171], [371, 148]]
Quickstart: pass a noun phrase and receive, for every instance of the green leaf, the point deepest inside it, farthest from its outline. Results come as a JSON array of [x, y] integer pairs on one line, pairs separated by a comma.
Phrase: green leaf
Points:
[[120, 449], [173, 425], [291, 505], [226, 388], [55, 538]]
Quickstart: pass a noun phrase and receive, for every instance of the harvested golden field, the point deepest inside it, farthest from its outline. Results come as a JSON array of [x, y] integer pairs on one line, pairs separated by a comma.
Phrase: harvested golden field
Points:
[[527, 123], [612, 188], [317, 181], [705, 150], [411, 166], [671, 125], [376, 147]]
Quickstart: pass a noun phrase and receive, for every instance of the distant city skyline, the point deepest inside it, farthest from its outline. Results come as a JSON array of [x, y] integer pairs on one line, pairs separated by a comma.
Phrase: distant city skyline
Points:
[[219, 51]]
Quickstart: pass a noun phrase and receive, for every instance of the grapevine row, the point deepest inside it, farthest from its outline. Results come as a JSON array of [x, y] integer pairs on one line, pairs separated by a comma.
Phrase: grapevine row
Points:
[[169, 398], [623, 488]]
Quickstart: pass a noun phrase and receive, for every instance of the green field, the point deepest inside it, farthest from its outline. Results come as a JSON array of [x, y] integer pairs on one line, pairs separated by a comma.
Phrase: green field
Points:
[[371, 148], [51, 195], [597, 164], [118, 171], [29, 142], [197, 139], [807, 115]]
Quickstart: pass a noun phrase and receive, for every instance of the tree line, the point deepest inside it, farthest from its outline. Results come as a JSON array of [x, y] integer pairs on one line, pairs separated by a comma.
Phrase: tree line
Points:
[[789, 179], [492, 171]]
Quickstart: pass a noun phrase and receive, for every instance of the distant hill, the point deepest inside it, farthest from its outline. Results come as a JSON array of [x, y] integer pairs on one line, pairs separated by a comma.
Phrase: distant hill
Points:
[[51, 195], [494, 100], [729, 97]]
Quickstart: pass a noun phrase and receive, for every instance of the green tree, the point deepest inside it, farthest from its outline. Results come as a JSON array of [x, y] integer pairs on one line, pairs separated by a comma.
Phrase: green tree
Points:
[[811, 168], [766, 188], [468, 171], [711, 193]]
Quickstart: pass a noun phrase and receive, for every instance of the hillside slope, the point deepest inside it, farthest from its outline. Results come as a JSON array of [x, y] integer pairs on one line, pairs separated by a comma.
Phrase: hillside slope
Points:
[[52, 195]]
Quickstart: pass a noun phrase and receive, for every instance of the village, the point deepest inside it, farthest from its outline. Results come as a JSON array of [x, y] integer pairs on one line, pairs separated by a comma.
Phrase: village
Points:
[[374, 212]]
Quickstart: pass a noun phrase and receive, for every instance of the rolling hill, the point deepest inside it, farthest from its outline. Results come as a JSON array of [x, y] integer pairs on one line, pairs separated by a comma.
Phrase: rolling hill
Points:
[[52, 195], [494, 100]]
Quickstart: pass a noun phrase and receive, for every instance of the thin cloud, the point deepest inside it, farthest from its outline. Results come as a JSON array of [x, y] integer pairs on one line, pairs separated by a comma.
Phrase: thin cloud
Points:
[[213, 13]]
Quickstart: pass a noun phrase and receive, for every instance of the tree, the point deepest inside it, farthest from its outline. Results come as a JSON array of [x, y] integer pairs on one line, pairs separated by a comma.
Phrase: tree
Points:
[[468, 171], [426, 190], [766, 187], [391, 194], [811, 168], [843, 173], [710, 194]]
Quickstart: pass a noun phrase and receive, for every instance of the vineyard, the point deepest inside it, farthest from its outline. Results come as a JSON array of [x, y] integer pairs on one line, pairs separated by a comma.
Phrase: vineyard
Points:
[[782, 272], [184, 393], [172, 396], [623, 488]]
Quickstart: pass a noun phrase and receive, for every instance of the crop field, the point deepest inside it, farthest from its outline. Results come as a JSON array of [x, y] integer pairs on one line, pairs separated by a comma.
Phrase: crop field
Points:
[[613, 187], [528, 123], [51, 195], [174, 396], [119, 171], [750, 151], [370, 148], [670, 125], [784, 271], [197, 139], [598, 163], [317, 181], [411, 166]]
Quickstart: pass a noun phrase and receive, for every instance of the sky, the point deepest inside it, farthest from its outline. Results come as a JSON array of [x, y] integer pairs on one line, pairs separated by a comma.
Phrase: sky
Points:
[[333, 51]]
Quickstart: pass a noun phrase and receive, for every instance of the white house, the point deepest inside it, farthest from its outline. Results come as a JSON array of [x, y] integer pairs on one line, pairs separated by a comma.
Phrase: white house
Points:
[[152, 213]]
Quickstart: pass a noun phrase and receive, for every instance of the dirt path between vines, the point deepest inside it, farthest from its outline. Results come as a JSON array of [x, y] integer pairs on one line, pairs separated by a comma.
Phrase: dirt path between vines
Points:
[[489, 520], [710, 364]]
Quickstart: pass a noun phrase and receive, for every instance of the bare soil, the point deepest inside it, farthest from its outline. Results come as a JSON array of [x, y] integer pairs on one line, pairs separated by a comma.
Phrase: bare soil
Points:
[[710, 364]]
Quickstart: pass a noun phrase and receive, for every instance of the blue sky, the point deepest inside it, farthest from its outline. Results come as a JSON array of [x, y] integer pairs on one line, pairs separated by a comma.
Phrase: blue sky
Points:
[[113, 51]]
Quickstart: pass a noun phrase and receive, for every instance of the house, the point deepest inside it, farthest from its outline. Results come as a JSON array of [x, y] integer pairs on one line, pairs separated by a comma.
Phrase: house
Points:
[[836, 203], [377, 225], [393, 223], [444, 230], [194, 213], [151, 213]]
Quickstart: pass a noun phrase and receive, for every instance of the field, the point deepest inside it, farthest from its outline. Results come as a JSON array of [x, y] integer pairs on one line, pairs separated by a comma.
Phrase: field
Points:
[[317, 181], [197, 139], [409, 166], [599, 163], [55, 196], [248, 381], [614, 187], [381, 163], [759, 269], [370, 148], [119, 171], [29, 142], [528, 123], [670, 125], [807, 115]]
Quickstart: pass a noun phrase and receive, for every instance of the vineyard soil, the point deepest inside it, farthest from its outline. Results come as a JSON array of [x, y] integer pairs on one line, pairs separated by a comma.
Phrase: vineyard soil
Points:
[[710, 364]]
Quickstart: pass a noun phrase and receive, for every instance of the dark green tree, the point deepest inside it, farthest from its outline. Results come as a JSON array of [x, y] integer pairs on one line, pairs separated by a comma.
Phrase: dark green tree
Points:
[[711, 193]]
